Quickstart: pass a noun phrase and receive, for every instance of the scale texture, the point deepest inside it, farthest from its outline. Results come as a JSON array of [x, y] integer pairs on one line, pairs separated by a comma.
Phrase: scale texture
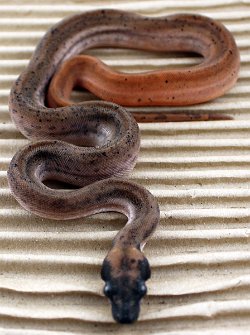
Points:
[[199, 171]]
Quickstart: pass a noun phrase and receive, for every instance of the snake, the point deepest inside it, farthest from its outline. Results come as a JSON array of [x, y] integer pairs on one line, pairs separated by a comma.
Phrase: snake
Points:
[[215, 75], [93, 146]]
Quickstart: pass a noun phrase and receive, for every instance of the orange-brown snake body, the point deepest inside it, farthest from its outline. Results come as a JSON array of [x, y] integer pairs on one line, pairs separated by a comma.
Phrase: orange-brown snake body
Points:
[[108, 135], [172, 87]]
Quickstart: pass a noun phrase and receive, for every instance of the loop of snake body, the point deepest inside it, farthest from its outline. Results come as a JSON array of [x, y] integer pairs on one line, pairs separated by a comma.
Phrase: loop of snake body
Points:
[[210, 79], [91, 145]]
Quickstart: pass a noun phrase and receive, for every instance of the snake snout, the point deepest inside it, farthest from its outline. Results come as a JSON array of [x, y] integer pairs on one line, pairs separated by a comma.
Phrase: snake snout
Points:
[[125, 297], [126, 313]]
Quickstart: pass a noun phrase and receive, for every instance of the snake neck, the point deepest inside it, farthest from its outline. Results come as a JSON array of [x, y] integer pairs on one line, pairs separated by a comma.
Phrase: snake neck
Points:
[[125, 268]]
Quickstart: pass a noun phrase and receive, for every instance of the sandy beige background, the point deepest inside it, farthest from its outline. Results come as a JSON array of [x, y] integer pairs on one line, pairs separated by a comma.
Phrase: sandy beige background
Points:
[[200, 255]]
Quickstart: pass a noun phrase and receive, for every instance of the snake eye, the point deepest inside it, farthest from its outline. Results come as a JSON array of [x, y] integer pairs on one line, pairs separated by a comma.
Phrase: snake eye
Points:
[[107, 290], [142, 289]]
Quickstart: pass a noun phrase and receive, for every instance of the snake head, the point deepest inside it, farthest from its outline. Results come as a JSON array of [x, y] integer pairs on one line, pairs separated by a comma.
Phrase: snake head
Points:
[[125, 272]]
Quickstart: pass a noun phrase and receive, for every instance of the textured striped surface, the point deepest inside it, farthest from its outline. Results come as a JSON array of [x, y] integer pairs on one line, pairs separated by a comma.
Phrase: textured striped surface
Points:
[[200, 255]]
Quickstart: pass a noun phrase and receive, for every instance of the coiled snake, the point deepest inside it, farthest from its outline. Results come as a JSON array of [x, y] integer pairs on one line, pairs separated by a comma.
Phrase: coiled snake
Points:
[[91, 145]]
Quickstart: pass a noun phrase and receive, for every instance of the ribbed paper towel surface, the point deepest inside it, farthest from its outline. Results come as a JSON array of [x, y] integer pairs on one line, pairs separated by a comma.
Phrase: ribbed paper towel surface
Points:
[[199, 171]]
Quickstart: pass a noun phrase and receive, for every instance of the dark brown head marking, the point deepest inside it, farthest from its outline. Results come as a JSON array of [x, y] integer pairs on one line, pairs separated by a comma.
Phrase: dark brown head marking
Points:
[[125, 272]]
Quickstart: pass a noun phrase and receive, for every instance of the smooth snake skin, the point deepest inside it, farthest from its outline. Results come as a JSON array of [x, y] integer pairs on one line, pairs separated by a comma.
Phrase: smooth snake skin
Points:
[[92, 144]]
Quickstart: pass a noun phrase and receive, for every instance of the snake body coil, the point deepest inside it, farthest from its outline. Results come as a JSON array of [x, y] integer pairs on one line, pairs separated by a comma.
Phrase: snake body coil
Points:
[[217, 72], [102, 138]]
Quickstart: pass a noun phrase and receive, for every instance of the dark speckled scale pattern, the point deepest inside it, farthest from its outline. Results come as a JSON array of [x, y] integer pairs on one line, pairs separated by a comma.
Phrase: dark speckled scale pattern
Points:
[[212, 77], [101, 145], [108, 136]]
